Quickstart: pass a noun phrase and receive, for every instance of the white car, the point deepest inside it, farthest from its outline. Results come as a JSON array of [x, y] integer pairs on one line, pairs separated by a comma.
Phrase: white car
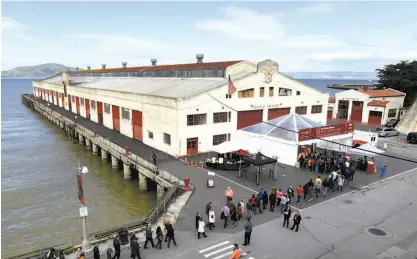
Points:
[[386, 132]]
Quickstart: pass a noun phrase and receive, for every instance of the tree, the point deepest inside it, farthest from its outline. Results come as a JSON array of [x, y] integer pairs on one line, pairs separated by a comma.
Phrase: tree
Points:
[[401, 77]]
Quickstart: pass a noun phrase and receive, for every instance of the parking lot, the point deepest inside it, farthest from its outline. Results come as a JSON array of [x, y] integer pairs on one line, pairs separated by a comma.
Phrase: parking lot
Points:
[[398, 145]]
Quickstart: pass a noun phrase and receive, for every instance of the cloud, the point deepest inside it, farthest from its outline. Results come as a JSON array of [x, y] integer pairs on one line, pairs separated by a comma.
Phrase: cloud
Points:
[[340, 55], [11, 27], [317, 8]]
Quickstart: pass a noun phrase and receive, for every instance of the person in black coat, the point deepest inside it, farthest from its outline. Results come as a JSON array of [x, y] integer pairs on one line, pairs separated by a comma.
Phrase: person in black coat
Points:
[[170, 234], [208, 208], [197, 219], [135, 249], [96, 252], [297, 220], [272, 201], [265, 199], [116, 245], [287, 215]]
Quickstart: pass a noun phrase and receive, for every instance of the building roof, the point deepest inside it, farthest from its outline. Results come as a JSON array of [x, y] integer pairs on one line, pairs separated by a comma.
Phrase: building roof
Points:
[[389, 92], [332, 99], [379, 103], [209, 65]]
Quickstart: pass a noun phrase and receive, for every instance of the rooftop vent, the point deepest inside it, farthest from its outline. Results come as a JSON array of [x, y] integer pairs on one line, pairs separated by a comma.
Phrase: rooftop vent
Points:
[[153, 61], [199, 58], [77, 69], [124, 64], [88, 67], [103, 66]]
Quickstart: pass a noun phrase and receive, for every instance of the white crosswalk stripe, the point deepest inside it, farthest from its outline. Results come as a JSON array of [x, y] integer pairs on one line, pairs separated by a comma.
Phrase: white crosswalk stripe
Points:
[[220, 251]]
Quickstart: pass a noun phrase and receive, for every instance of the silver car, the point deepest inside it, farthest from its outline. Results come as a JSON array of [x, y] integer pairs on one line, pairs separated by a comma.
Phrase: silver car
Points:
[[387, 132]]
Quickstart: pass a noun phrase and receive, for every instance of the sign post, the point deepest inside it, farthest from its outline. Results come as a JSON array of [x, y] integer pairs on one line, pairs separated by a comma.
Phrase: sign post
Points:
[[83, 209]]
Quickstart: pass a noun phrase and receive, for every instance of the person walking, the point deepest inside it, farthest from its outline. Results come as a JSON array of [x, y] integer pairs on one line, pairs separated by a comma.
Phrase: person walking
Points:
[[212, 219], [171, 234], [159, 237], [96, 252], [109, 253], [284, 201], [233, 214], [258, 204], [197, 220], [326, 185], [154, 158], [201, 228], [253, 203], [134, 245], [279, 196], [299, 193], [116, 245], [287, 216], [225, 212], [265, 199], [239, 211], [296, 220], [318, 183], [290, 193], [340, 182], [249, 208], [248, 231], [148, 234], [272, 201], [208, 208], [383, 172], [229, 194], [308, 189]]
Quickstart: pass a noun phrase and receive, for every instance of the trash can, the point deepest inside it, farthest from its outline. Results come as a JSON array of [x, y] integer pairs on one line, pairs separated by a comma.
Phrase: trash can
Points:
[[370, 167], [123, 236]]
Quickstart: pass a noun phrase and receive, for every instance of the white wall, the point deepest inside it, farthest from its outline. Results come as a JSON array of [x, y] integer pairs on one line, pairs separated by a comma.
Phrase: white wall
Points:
[[126, 126], [93, 112]]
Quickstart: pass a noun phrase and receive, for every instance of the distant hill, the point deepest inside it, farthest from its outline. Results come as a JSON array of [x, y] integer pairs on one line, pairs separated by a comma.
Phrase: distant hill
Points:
[[333, 75], [39, 71]]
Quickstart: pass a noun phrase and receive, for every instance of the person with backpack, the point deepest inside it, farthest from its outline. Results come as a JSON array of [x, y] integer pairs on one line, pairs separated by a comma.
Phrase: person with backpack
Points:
[[148, 234]]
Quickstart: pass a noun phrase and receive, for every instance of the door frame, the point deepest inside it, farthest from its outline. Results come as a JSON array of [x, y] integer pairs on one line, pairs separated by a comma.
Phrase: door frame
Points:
[[190, 140]]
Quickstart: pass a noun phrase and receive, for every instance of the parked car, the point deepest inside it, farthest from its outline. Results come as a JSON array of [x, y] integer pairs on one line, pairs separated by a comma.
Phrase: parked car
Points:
[[412, 137], [386, 132], [391, 123]]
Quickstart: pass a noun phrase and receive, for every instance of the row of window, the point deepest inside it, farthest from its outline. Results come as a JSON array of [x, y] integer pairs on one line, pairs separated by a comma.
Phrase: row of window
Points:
[[249, 93], [302, 110], [201, 119]]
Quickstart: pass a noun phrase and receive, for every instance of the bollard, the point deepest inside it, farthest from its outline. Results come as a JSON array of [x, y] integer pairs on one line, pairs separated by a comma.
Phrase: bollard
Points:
[[187, 186]]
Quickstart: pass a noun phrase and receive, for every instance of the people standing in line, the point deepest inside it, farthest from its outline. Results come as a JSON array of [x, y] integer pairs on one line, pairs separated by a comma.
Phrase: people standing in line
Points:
[[272, 201], [253, 203], [308, 190], [340, 182], [248, 231], [154, 158], [201, 228], [284, 201], [258, 204], [197, 220], [249, 208], [279, 196], [297, 221], [171, 234], [287, 215], [290, 193], [116, 245], [149, 238], [265, 199], [261, 193], [159, 237], [326, 185], [96, 252], [212, 219], [239, 211], [299, 193], [208, 208], [318, 186], [383, 172], [225, 212]]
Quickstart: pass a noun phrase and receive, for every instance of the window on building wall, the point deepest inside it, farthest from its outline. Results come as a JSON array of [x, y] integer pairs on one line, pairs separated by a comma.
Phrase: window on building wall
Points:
[[82, 101], [196, 119], [316, 108], [284, 92], [107, 108], [248, 93], [392, 113], [262, 92], [93, 104], [271, 91], [298, 93], [167, 139], [220, 117], [126, 113], [301, 110], [73, 98], [218, 139], [150, 134]]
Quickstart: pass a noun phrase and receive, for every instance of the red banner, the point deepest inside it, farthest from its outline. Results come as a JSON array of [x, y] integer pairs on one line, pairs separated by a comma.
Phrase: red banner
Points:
[[80, 188], [325, 131]]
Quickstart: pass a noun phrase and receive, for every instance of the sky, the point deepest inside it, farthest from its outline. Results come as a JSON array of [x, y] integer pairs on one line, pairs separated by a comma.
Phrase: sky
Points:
[[300, 36]]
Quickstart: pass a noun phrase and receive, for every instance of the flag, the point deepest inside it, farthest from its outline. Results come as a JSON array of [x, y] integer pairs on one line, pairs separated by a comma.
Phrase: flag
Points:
[[232, 87], [80, 188]]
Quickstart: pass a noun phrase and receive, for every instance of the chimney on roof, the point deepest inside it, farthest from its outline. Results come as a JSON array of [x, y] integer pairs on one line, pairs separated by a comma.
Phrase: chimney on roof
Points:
[[103, 66], [88, 67], [77, 69], [153, 61], [124, 64], [199, 58]]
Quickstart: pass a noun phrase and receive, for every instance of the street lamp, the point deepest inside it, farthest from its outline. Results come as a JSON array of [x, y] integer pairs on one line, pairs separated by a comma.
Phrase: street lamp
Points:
[[83, 210]]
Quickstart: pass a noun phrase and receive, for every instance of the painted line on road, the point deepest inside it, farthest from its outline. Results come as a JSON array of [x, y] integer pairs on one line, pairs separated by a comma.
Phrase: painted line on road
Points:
[[223, 255], [227, 179], [212, 247], [218, 251]]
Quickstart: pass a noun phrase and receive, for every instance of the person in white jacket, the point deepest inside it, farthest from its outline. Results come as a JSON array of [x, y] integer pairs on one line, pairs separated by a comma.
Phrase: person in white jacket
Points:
[[340, 182], [201, 228], [212, 219]]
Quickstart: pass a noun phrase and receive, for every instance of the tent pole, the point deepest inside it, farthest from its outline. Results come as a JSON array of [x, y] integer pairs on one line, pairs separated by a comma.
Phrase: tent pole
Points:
[[240, 166]]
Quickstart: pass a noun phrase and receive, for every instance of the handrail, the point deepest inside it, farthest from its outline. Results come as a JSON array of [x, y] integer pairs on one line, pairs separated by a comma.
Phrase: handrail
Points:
[[72, 242]]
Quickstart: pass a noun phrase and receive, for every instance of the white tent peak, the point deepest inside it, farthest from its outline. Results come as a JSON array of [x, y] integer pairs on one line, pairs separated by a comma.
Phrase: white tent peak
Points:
[[285, 127]]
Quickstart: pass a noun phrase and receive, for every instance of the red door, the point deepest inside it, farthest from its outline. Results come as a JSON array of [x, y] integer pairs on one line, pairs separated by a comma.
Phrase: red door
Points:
[[329, 114], [87, 108], [116, 117], [77, 104], [100, 112], [276, 113], [69, 103], [137, 125], [375, 118], [192, 146], [356, 113], [248, 118], [62, 100]]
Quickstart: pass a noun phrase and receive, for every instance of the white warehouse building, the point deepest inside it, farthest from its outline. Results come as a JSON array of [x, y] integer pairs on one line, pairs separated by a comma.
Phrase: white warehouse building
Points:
[[183, 109]]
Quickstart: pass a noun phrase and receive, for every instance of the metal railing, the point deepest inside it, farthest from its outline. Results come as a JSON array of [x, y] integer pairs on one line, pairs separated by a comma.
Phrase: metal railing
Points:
[[69, 244]]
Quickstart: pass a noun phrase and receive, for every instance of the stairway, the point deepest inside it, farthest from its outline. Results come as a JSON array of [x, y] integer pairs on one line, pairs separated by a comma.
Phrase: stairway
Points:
[[409, 123]]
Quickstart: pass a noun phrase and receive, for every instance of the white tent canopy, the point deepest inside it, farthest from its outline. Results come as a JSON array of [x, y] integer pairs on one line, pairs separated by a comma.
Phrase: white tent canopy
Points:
[[229, 146]]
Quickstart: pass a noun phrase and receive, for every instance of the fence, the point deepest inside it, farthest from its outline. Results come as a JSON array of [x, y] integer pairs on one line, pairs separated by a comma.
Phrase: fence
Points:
[[68, 244]]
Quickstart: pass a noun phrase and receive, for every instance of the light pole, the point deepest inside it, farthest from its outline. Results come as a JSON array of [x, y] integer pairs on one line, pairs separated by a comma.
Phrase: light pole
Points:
[[83, 210]]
